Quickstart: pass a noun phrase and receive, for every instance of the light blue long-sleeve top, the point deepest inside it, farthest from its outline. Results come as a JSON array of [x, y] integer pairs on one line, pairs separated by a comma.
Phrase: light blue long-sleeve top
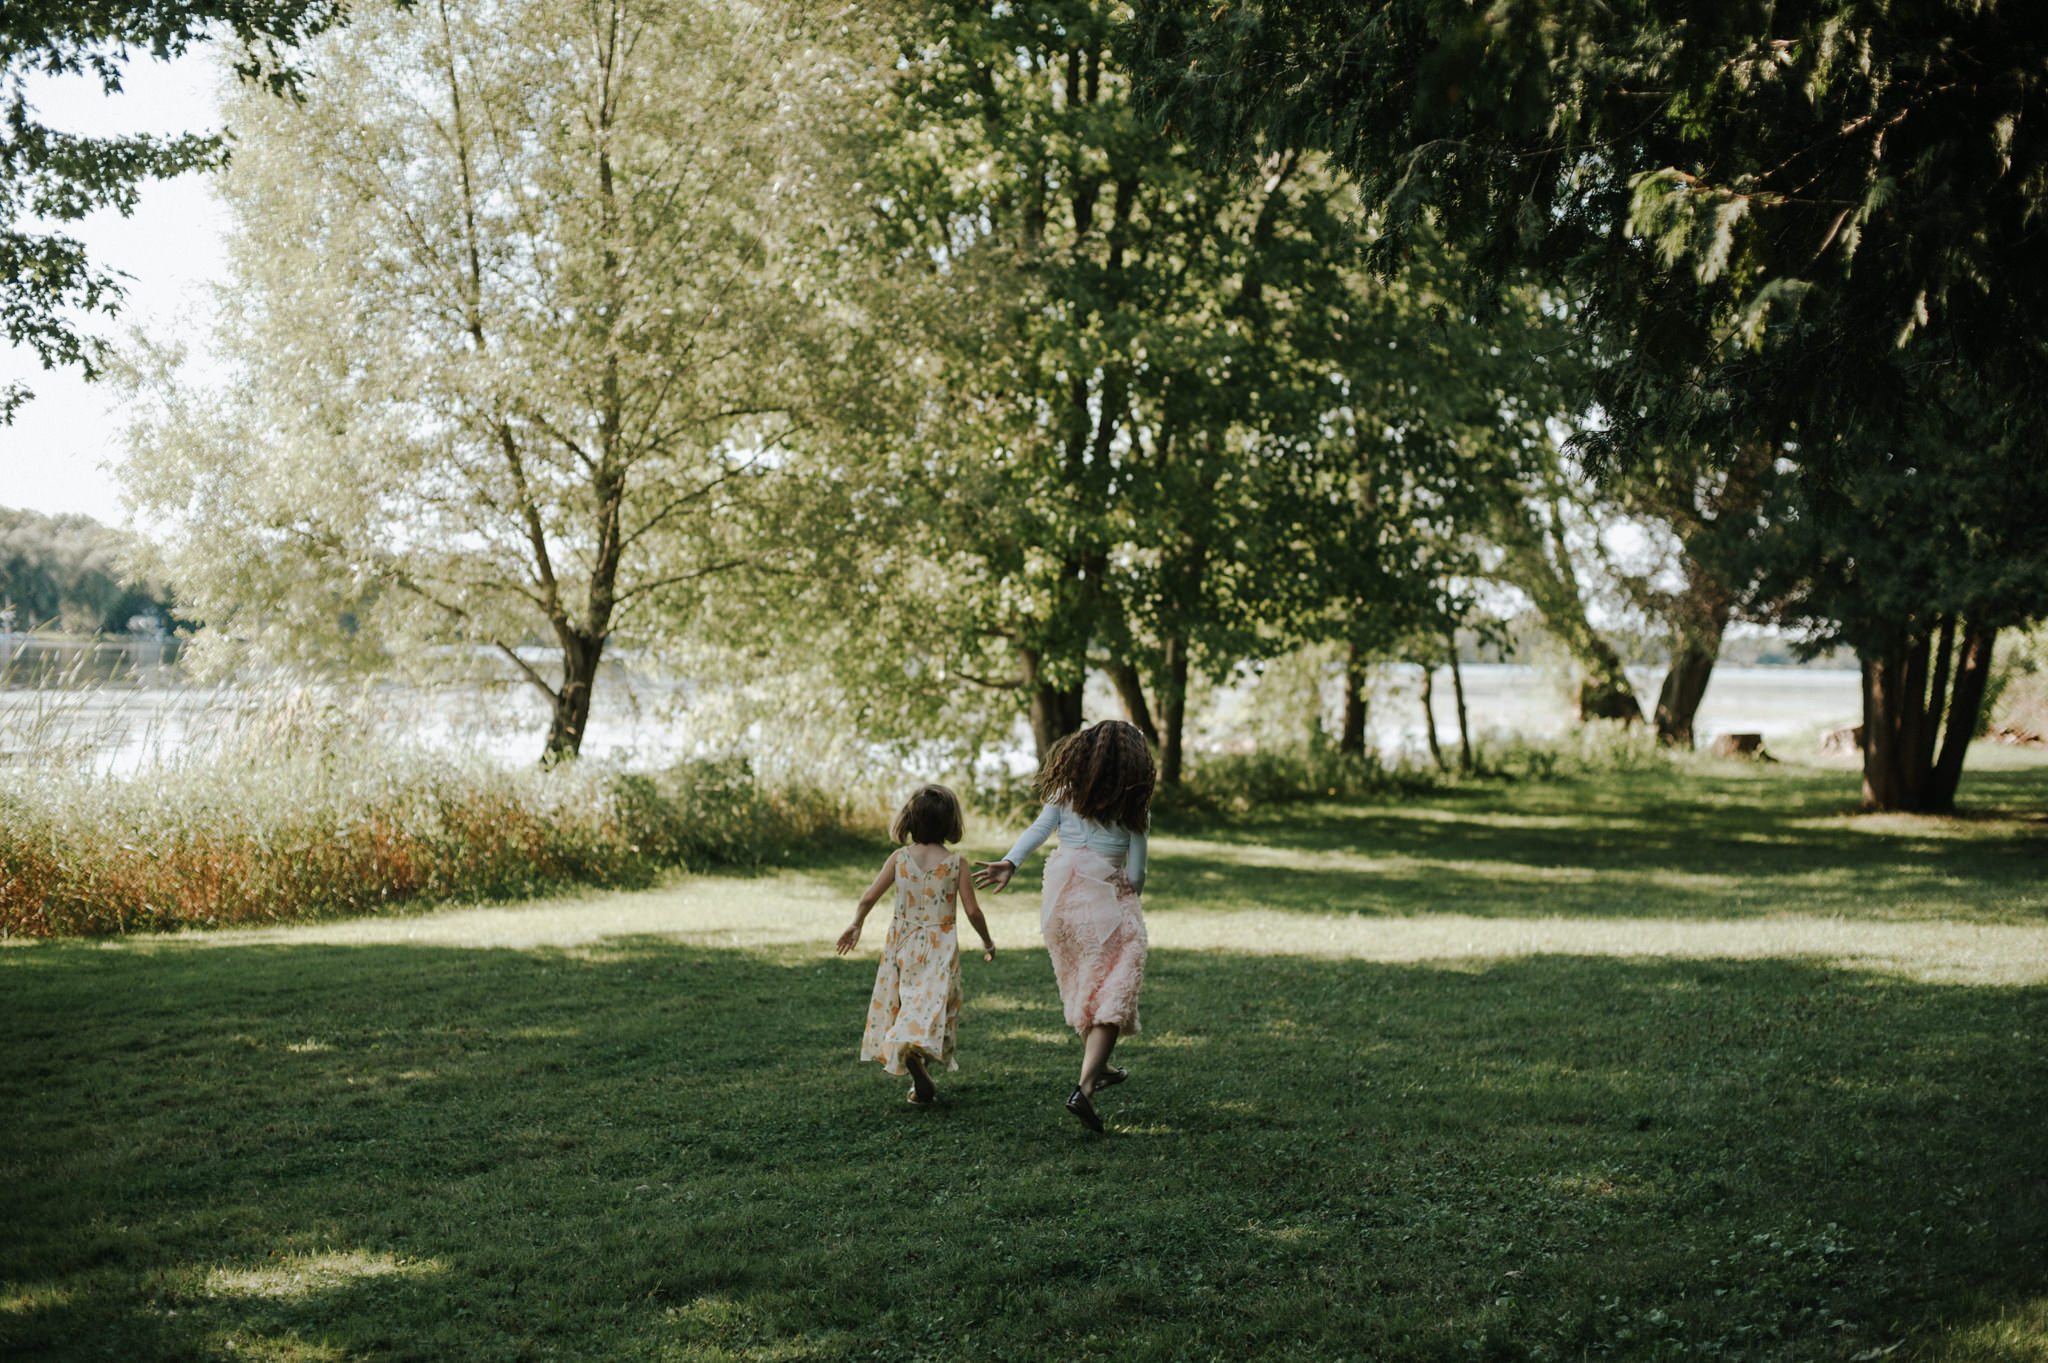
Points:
[[1117, 843]]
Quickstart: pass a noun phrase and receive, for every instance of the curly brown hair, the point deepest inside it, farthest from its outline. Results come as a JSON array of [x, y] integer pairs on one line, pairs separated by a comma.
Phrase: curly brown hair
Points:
[[1103, 773], [932, 814]]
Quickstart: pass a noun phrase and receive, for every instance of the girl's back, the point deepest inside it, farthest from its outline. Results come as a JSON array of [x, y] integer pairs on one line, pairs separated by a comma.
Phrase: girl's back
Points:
[[926, 897]]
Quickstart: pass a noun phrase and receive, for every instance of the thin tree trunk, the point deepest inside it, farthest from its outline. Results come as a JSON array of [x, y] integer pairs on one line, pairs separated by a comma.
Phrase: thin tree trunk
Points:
[[1701, 617], [1173, 705], [1436, 750], [1937, 695], [1965, 709], [1173, 700], [1352, 738], [1458, 691], [1130, 688]]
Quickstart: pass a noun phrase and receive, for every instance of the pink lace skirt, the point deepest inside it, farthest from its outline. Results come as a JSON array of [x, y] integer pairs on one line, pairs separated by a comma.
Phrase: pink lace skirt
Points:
[[1094, 927]]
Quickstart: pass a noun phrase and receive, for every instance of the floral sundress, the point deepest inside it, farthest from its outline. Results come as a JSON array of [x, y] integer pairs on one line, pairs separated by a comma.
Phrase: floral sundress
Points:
[[916, 1003]]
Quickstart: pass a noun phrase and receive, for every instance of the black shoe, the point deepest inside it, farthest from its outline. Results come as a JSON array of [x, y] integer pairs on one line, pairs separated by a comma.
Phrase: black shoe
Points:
[[1083, 1110], [1111, 1075], [921, 1089]]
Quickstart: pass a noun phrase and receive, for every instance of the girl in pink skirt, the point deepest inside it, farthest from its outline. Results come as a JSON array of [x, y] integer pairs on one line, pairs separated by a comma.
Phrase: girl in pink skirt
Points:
[[1097, 788]]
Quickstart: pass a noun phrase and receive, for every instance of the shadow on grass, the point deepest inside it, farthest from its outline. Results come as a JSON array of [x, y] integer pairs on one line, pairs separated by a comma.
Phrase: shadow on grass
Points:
[[1690, 844], [653, 1150]]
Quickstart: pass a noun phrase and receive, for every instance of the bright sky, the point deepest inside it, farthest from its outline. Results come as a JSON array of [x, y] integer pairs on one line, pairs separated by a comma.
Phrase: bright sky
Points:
[[59, 454]]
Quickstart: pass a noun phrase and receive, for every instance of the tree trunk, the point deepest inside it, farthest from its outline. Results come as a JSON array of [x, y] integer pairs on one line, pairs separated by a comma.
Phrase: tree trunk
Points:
[[1173, 706], [1678, 700], [1055, 713], [1605, 692], [1885, 784], [1352, 739], [1921, 705], [1536, 560], [580, 657], [1055, 710], [1702, 609], [1965, 712], [1130, 688], [1458, 692], [1436, 750]]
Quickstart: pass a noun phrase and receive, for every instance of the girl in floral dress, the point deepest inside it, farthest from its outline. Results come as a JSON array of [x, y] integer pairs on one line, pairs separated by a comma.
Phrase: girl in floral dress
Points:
[[915, 1009], [1097, 788]]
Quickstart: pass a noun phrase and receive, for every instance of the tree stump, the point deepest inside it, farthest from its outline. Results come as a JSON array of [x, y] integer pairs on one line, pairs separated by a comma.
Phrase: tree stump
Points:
[[1740, 745], [1845, 740]]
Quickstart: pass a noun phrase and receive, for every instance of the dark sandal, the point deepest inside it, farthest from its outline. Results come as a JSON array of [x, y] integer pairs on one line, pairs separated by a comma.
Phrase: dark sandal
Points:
[[1083, 1110], [921, 1089], [1111, 1075]]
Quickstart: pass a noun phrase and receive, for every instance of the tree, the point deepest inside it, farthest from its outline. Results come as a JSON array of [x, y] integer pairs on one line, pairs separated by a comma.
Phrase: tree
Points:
[[1532, 529], [504, 337], [1110, 337], [1712, 513], [73, 572], [1788, 227], [1917, 560], [45, 276]]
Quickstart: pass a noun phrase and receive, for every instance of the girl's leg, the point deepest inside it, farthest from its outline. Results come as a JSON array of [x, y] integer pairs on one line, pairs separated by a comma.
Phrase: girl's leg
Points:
[[1100, 1041], [921, 1087]]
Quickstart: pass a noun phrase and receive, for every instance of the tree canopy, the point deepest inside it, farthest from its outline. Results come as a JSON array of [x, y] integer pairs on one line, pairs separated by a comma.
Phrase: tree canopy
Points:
[[1775, 217], [73, 572]]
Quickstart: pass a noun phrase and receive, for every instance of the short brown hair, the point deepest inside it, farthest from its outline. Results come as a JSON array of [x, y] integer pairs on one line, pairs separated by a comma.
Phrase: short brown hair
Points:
[[1104, 773], [932, 814]]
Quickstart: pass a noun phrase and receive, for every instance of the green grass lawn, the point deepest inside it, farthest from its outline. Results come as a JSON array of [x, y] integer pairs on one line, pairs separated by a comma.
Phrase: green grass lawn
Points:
[[631, 1126]]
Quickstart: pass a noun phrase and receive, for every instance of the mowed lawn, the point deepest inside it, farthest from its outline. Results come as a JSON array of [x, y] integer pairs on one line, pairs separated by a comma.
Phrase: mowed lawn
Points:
[[1665, 1065]]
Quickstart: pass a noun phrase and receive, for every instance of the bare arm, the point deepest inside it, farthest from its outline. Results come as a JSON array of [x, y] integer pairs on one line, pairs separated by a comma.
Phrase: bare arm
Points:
[[973, 910], [850, 939]]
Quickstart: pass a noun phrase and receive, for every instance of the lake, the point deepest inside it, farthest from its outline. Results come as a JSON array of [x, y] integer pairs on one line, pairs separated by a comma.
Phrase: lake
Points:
[[635, 719]]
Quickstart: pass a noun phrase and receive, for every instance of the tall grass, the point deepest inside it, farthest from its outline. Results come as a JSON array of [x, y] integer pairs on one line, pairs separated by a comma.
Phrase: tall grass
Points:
[[306, 807], [284, 801]]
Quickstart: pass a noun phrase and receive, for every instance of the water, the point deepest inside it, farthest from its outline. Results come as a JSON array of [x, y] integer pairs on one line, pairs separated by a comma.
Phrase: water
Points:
[[1777, 702], [119, 726]]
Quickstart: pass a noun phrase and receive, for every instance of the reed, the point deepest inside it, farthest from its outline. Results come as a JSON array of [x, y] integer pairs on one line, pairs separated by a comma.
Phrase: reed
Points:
[[295, 804]]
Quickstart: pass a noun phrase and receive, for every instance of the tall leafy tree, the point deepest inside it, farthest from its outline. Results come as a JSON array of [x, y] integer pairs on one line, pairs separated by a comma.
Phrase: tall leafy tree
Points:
[[503, 336], [1097, 313], [1147, 434]]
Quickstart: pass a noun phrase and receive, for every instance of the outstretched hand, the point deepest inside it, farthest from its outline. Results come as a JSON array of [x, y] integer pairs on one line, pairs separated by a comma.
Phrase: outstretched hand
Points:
[[848, 940], [993, 875]]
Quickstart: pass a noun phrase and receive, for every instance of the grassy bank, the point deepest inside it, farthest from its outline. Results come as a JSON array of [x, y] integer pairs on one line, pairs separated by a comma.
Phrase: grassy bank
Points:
[[631, 1126]]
